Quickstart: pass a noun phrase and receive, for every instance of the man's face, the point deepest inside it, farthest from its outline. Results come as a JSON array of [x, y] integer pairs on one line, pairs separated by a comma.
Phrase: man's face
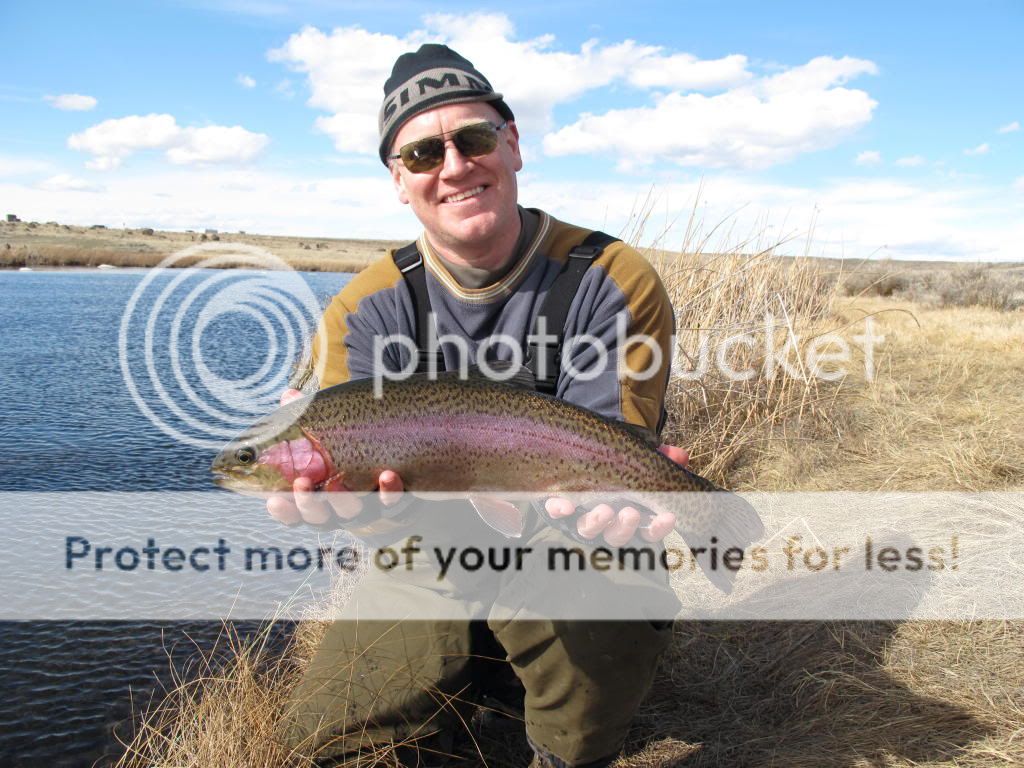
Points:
[[455, 223]]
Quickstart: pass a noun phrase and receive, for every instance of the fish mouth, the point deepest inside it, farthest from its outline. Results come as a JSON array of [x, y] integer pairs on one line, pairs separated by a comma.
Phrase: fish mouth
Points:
[[247, 484]]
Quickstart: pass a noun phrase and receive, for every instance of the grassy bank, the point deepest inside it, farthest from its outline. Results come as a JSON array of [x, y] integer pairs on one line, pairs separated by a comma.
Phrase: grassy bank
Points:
[[943, 410], [995, 286], [50, 245]]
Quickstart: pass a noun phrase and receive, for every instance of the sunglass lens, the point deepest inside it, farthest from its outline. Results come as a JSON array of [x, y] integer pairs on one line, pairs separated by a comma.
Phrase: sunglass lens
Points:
[[423, 155], [476, 140]]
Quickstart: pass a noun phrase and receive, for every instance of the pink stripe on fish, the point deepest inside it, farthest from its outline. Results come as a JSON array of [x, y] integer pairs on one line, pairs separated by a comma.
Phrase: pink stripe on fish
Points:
[[476, 431]]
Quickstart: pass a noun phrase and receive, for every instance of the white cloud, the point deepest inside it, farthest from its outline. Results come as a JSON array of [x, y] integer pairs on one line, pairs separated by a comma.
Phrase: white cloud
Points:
[[1010, 127], [981, 149], [103, 163], [869, 157], [347, 69], [20, 166], [766, 122], [72, 102], [1018, 184], [111, 141], [911, 161], [122, 136], [253, 200], [245, 81], [66, 182], [852, 218], [217, 144]]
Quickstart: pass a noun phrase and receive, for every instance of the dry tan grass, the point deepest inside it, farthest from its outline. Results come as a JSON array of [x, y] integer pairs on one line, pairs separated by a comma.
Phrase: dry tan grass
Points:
[[221, 712], [224, 710], [772, 301], [945, 410]]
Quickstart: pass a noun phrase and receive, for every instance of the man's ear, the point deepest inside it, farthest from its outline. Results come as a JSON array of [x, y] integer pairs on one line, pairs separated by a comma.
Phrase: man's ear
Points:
[[399, 182], [513, 142]]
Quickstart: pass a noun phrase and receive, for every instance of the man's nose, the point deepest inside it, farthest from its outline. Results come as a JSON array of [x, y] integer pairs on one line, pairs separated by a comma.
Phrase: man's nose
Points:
[[455, 163]]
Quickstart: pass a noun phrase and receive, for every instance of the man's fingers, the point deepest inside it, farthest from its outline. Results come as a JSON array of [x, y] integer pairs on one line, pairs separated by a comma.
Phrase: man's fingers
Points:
[[591, 523], [661, 525], [558, 507], [619, 528], [678, 455], [305, 505], [391, 487], [344, 503], [290, 394], [283, 510], [319, 507], [622, 527], [311, 505]]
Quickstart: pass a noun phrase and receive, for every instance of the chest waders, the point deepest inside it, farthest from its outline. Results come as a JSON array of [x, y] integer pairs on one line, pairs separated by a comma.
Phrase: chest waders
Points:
[[374, 682]]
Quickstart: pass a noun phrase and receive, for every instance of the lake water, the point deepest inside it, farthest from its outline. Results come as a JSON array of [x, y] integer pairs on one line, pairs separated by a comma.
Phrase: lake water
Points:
[[69, 423]]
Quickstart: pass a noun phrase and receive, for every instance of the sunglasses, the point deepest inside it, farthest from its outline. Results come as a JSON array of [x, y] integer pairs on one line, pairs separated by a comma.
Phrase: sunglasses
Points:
[[425, 155]]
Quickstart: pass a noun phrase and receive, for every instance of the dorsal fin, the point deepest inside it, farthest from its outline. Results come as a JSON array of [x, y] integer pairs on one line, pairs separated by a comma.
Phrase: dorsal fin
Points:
[[643, 433]]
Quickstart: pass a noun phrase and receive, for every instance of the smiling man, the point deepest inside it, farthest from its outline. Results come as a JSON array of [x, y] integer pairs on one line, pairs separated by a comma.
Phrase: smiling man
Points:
[[484, 268], [467, 204]]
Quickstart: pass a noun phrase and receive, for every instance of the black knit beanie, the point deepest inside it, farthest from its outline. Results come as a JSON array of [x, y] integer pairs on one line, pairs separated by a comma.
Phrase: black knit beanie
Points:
[[432, 76]]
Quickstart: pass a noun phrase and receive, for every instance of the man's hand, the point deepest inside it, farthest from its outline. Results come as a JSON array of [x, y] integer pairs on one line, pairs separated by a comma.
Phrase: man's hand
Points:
[[619, 527], [304, 505]]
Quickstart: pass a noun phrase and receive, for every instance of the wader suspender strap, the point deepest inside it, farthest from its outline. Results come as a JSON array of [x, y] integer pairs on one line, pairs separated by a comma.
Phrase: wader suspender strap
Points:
[[410, 263], [555, 309]]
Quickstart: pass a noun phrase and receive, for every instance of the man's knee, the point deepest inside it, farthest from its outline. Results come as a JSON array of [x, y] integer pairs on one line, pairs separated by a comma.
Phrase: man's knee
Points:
[[378, 682], [584, 682]]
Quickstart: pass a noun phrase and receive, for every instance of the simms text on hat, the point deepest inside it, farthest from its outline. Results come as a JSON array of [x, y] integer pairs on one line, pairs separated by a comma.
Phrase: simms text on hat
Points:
[[431, 77]]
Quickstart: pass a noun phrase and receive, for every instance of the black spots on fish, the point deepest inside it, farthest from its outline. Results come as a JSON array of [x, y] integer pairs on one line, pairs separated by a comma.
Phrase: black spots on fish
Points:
[[246, 455]]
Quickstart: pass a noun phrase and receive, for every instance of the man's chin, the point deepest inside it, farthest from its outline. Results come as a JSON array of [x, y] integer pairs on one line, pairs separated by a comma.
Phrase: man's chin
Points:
[[468, 229]]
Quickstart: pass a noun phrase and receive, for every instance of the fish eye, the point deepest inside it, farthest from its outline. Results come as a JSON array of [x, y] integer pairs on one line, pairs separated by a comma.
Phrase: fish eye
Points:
[[245, 455]]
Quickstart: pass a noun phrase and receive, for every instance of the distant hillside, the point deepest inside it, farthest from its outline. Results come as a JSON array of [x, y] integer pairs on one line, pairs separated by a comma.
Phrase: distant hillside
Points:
[[31, 244]]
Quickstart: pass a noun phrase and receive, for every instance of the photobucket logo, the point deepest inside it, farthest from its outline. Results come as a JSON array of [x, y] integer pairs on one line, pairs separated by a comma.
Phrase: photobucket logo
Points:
[[776, 349], [582, 357], [585, 357], [206, 350]]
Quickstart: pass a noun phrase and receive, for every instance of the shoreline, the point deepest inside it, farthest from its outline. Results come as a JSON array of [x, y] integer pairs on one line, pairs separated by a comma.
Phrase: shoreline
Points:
[[61, 246], [55, 246], [90, 268]]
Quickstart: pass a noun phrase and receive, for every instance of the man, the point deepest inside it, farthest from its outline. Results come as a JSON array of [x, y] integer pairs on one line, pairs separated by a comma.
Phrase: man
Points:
[[488, 266]]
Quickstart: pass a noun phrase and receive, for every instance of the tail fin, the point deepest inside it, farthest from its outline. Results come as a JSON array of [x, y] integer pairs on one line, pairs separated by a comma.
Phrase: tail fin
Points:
[[713, 525]]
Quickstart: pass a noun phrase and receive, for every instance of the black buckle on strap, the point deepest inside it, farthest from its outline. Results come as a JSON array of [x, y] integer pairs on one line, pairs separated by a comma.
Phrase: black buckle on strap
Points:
[[588, 252]]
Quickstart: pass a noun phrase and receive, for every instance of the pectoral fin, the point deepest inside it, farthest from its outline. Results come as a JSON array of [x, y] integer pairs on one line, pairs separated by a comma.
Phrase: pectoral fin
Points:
[[503, 516]]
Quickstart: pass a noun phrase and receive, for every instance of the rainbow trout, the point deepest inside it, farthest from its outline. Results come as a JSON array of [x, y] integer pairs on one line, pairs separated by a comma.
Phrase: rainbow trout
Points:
[[476, 436]]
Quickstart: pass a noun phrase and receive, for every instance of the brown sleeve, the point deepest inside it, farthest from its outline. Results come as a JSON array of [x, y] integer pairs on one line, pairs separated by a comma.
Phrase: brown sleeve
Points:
[[332, 343], [651, 317]]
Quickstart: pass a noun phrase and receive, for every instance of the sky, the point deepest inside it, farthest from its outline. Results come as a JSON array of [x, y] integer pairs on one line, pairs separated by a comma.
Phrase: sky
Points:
[[865, 130]]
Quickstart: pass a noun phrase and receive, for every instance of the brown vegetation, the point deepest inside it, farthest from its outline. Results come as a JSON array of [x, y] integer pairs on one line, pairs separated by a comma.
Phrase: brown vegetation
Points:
[[995, 286], [27, 244]]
